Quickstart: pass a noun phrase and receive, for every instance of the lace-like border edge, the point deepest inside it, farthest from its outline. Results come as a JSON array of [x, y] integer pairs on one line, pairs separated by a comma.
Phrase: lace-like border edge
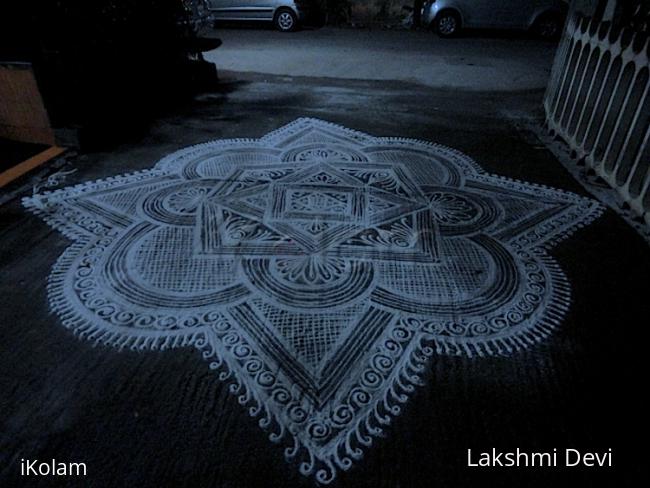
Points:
[[399, 386]]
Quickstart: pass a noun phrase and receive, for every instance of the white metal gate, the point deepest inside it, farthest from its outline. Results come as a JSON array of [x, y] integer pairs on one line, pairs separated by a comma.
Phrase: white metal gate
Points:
[[597, 101]]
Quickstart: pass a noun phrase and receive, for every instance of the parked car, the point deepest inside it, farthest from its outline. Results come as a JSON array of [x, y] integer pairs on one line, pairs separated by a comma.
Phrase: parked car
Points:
[[286, 15], [448, 17]]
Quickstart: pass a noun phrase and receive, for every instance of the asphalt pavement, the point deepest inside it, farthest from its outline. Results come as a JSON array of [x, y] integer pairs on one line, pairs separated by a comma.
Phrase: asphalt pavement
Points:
[[502, 61]]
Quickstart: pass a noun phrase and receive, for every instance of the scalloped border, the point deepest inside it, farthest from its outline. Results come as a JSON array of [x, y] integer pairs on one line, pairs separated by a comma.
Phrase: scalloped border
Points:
[[404, 377]]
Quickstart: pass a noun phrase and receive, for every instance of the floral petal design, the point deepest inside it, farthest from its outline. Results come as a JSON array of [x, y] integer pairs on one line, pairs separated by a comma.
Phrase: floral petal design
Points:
[[317, 269]]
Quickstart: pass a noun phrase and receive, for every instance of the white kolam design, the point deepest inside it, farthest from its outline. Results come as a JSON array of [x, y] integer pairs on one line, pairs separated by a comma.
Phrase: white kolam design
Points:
[[317, 269]]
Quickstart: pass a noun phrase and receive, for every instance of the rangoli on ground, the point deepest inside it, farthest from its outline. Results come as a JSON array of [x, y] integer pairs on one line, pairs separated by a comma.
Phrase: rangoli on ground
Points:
[[317, 269]]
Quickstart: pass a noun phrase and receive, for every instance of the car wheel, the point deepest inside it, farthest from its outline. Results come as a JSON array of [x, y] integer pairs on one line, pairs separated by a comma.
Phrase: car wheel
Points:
[[447, 24], [548, 26], [285, 20]]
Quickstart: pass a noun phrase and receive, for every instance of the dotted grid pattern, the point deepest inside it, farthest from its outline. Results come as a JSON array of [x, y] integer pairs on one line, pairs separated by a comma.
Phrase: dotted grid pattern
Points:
[[463, 272], [165, 259], [311, 336]]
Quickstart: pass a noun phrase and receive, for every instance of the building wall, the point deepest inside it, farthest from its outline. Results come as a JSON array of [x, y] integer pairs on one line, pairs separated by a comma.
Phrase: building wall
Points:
[[365, 12], [22, 113], [369, 11]]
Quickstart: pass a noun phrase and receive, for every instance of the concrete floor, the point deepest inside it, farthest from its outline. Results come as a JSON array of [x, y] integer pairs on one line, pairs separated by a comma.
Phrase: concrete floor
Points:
[[162, 419], [503, 62]]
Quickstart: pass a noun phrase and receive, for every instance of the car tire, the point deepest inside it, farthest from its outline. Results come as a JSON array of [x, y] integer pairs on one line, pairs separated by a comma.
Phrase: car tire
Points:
[[447, 23], [548, 27], [285, 20]]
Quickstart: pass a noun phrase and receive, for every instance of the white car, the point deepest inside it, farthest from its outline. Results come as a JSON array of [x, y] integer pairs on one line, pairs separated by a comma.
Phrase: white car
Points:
[[448, 17], [286, 15]]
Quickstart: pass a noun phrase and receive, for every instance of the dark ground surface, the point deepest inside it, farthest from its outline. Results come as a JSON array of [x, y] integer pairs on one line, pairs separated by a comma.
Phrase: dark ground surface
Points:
[[163, 419], [13, 153]]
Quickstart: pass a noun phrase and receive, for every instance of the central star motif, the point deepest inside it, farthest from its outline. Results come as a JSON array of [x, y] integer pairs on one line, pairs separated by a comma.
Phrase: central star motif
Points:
[[315, 211]]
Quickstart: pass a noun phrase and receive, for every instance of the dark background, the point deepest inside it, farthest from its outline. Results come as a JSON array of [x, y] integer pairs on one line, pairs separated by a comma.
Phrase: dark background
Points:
[[163, 419]]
